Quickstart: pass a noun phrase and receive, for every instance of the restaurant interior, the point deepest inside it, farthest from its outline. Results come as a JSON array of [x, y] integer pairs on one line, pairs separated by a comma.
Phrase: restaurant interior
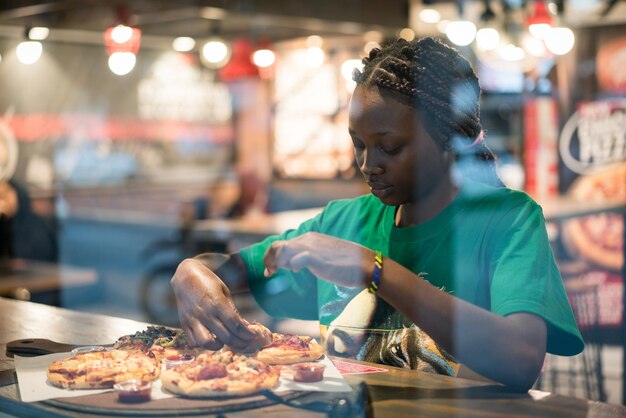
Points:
[[140, 133]]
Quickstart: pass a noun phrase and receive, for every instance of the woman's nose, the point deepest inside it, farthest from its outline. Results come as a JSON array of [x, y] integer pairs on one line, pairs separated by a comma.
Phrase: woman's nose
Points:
[[369, 164]]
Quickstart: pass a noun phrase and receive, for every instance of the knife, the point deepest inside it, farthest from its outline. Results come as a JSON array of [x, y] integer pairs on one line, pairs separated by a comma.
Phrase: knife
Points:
[[7, 377], [30, 347]]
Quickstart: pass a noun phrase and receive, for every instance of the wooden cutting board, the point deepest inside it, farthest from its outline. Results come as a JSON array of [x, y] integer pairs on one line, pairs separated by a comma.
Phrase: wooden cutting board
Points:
[[108, 404]]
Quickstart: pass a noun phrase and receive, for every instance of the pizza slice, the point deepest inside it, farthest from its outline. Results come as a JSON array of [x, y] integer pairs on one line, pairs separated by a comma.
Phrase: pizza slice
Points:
[[290, 349], [220, 374], [102, 369]]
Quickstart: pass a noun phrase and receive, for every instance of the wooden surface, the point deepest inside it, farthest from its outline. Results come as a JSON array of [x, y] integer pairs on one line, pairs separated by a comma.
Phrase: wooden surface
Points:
[[396, 393], [38, 277]]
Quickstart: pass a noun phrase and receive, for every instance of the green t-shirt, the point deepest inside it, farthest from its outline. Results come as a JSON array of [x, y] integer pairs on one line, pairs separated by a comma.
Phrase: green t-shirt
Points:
[[488, 247]]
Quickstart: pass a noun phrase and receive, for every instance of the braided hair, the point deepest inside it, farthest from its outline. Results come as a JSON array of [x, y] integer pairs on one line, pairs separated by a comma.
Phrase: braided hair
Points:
[[438, 82]]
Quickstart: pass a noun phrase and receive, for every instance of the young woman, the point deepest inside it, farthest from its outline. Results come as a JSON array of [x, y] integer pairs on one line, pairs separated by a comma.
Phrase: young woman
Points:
[[439, 266]]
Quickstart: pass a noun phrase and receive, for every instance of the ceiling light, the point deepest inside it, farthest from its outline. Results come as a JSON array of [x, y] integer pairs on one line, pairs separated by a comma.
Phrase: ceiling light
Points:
[[183, 44], [407, 33], [540, 21], [29, 52], [560, 41], [122, 38], [215, 53], [461, 32], [263, 58], [122, 63], [38, 33], [429, 16], [487, 39]]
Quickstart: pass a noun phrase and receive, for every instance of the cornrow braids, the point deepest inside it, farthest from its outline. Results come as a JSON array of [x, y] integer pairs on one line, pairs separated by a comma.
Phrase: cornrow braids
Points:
[[436, 80]]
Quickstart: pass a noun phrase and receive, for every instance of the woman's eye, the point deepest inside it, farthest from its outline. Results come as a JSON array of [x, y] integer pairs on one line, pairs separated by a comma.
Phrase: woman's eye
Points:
[[393, 150]]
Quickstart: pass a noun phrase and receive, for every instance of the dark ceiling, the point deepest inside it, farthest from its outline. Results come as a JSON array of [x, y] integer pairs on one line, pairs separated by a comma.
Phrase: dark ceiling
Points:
[[272, 19]]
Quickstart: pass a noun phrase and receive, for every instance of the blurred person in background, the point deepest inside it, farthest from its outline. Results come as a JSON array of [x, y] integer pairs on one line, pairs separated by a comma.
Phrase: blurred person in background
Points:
[[23, 233]]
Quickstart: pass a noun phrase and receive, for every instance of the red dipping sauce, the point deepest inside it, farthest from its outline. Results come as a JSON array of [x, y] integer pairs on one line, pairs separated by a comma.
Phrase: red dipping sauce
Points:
[[172, 361], [133, 391], [308, 372]]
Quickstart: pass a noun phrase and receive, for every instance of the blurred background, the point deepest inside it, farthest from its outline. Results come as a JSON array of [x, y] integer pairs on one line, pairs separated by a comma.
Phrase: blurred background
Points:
[[134, 134]]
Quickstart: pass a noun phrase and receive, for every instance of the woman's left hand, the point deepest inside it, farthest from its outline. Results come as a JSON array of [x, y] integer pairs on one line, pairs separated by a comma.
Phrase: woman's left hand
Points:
[[328, 258]]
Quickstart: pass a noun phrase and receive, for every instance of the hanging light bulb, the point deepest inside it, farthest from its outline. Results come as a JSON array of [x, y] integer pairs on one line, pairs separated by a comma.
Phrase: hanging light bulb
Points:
[[183, 44], [540, 22], [38, 33], [430, 16], [122, 63], [560, 41], [122, 38], [407, 33], [215, 53], [263, 58], [29, 52], [461, 32], [487, 37]]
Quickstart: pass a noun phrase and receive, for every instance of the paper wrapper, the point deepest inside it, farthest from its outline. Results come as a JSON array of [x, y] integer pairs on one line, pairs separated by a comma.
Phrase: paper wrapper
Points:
[[34, 386]]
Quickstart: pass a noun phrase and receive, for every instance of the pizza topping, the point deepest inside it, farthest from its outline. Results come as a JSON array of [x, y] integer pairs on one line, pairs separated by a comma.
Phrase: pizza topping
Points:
[[212, 371], [153, 337], [292, 341]]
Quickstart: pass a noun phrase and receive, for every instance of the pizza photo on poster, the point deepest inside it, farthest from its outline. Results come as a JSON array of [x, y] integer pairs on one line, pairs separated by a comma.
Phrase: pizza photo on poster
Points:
[[593, 145]]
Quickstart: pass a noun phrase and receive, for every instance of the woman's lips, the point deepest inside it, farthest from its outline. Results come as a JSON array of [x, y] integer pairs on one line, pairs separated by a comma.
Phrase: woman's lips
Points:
[[380, 190]]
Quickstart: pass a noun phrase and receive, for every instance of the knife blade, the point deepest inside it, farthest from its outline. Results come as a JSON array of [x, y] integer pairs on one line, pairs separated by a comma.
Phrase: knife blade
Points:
[[7, 377], [30, 347]]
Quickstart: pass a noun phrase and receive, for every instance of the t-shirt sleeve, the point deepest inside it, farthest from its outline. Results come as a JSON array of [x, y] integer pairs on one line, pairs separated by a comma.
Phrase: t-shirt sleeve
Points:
[[286, 293], [525, 277]]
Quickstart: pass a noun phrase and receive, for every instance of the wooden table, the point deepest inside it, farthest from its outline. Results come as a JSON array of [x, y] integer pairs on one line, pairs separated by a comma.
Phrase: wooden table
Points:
[[396, 393], [22, 279]]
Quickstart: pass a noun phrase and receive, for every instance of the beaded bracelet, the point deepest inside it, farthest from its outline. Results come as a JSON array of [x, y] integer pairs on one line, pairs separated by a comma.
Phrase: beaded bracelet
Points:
[[378, 266]]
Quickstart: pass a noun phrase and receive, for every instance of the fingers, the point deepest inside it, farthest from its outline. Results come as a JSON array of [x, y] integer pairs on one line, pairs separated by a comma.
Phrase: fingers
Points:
[[278, 256], [200, 336]]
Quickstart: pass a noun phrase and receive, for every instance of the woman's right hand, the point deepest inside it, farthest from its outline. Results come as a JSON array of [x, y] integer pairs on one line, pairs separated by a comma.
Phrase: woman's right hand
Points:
[[206, 309]]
